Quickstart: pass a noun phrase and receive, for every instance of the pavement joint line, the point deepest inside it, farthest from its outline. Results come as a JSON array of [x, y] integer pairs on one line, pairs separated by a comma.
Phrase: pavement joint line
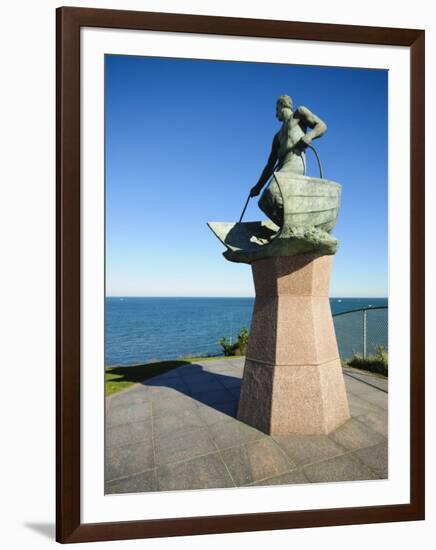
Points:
[[204, 423], [196, 429], [380, 410], [222, 460], [130, 444], [348, 452], [296, 469], [110, 426], [144, 439], [362, 398], [283, 451], [175, 462], [364, 463], [209, 453], [368, 427], [365, 382], [261, 436], [122, 478], [321, 459], [245, 447], [228, 417]]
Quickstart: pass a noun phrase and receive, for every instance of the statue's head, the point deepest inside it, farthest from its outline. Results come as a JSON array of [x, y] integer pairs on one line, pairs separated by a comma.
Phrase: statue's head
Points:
[[284, 107]]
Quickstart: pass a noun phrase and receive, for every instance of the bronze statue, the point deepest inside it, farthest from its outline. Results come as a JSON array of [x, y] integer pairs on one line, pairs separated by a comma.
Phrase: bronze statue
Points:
[[290, 142], [292, 381]]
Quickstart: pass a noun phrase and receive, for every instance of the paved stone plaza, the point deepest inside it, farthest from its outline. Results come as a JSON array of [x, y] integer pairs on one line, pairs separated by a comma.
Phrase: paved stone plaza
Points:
[[179, 431]]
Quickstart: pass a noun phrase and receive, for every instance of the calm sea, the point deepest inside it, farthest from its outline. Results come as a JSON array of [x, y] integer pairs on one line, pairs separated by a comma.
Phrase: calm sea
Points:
[[144, 329]]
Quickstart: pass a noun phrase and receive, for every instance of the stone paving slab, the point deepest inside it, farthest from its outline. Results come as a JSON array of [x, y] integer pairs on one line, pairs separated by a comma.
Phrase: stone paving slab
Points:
[[203, 472], [128, 460], [136, 483], [303, 450], [375, 419], [341, 468], [228, 433], [376, 458], [256, 461], [131, 432], [174, 423], [178, 431], [185, 445], [291, 478], [356, 435], [372, 380]]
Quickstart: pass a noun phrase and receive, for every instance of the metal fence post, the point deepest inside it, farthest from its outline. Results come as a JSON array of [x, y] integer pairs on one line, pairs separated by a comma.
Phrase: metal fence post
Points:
[[364, 333], [360, 332]]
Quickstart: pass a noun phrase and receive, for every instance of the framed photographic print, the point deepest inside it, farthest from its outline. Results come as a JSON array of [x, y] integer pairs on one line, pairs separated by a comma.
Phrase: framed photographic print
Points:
[[198, 394]]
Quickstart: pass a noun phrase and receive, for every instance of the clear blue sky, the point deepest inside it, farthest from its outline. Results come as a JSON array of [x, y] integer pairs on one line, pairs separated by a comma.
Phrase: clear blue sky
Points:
[[187, 139]]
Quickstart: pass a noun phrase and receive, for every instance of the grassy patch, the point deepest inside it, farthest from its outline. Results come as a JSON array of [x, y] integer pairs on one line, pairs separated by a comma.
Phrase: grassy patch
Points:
[[120, 378], [377, 363], [192, 359]]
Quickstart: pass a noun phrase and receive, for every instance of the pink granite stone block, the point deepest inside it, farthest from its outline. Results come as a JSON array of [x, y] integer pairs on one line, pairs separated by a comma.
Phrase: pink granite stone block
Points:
[[336, 410], [308, 400], [297, 401], [263, 331], [295, 335], [293, 382], [325, 337], [296, 275], [322, 268], [256, 394], [304, 400]]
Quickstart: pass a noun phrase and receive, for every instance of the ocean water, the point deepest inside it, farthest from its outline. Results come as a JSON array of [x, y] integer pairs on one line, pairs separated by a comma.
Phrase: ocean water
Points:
[[139, 330]]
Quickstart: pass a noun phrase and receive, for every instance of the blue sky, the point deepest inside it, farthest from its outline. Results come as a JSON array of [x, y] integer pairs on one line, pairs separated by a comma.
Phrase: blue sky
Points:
[[187, 139]]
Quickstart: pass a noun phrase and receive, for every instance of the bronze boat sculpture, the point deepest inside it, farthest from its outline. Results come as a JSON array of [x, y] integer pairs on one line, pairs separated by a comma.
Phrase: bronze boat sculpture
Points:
[[302, 212]]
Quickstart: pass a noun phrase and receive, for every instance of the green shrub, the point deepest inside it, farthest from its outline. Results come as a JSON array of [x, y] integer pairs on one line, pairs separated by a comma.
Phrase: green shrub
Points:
[[243, 341], [378, 362], [227, 346], [236, 348], [381, 355]]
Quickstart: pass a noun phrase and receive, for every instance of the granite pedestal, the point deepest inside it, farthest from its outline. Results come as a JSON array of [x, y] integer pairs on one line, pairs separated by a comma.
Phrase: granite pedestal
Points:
[[293, 381]]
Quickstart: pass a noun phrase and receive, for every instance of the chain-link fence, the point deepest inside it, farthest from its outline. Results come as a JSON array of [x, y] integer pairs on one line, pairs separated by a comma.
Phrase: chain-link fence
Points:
[[361, 331]]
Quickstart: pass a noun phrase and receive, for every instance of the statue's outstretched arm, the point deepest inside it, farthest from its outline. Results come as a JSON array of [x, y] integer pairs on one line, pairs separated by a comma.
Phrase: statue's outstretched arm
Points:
[[309, 119], [268, 170]]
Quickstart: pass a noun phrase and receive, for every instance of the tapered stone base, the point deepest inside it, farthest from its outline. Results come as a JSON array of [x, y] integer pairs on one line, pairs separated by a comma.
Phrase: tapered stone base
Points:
[[293, 382]]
